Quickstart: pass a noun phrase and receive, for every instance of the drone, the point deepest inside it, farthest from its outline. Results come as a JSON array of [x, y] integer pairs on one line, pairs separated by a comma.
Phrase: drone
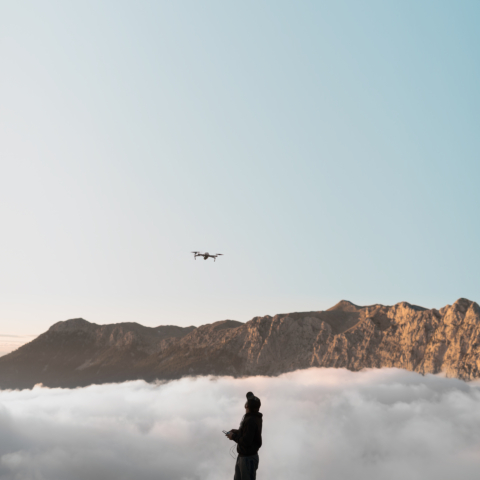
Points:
[[205, 255]]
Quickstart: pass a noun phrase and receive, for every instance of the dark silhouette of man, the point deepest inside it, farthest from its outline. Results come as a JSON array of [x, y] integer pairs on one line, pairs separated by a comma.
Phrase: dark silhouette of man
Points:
[[249, 439]]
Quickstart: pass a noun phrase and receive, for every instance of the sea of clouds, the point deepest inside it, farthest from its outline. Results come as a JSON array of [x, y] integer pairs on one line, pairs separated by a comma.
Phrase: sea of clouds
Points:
[[318, 423]]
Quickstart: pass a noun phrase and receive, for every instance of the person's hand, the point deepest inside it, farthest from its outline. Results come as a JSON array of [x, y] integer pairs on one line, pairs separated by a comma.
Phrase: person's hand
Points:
[[230, 435]]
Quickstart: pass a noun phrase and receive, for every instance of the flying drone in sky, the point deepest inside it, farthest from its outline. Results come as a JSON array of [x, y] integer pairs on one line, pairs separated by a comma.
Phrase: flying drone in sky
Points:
[[205, 255]]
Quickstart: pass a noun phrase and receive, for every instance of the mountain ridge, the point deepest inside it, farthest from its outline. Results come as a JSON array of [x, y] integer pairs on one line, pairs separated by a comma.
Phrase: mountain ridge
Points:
[[76, 352]]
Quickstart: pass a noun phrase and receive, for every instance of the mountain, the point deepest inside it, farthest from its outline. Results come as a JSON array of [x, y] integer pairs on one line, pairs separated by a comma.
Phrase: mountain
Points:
[[77, 353]]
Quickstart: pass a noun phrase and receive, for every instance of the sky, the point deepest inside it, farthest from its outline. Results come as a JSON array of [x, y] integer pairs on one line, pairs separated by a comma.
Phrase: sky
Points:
[[368, 425], [330, 150]]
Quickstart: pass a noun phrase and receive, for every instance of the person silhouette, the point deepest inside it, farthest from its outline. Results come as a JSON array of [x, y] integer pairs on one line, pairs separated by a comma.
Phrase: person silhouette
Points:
[[248, 438]]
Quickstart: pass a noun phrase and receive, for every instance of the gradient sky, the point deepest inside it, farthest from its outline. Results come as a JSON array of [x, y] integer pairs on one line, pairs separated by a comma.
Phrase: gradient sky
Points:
[[330, 150]]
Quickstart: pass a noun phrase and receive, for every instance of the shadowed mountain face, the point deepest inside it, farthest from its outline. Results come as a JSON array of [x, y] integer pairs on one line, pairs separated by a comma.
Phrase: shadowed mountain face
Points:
[[77, 353]]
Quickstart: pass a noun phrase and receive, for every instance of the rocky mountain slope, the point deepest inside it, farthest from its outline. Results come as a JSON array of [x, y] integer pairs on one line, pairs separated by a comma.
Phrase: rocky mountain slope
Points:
[[76, 352]]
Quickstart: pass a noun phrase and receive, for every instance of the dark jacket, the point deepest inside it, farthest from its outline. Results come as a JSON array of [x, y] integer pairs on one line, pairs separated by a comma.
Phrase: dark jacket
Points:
[[249, 435]]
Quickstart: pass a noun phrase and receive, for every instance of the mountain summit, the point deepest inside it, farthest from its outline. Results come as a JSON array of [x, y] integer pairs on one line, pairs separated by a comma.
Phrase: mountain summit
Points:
[[77, 353]]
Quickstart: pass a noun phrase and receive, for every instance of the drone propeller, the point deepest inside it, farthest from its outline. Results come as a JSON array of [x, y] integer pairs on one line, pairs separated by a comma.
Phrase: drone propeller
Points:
[[195, 252], [219, 254]]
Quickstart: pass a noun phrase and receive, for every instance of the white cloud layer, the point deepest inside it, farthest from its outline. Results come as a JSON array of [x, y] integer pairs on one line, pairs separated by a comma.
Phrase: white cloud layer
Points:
[[318, 423]]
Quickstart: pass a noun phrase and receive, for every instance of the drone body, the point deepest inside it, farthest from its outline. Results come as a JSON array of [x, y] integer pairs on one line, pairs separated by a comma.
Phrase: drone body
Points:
[[205, 255]]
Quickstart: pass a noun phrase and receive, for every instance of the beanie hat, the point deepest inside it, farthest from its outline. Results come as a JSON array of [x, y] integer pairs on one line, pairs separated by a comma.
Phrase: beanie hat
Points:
[[253, 402]]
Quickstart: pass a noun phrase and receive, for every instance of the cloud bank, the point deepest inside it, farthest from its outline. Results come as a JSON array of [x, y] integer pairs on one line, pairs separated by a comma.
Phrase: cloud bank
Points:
[[318, 423]]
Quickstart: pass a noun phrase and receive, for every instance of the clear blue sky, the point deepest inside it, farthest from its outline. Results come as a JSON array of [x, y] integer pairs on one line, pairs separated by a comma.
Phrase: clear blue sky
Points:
[[330, 150]]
